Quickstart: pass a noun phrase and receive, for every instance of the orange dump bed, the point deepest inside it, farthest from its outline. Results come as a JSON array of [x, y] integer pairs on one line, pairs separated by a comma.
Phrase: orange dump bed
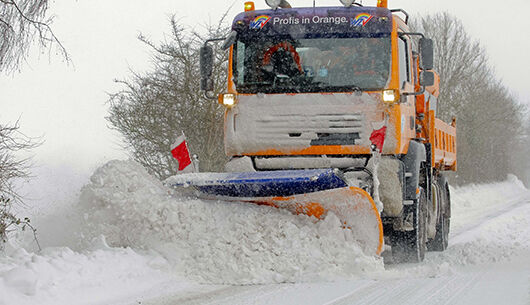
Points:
[[442, 137]]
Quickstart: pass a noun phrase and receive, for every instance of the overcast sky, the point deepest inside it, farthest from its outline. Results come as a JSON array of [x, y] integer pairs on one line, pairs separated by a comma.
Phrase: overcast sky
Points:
[[66, 103]]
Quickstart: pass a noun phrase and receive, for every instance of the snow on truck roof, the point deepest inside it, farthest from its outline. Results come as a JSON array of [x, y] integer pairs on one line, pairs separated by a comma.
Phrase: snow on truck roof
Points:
[[315, 22]]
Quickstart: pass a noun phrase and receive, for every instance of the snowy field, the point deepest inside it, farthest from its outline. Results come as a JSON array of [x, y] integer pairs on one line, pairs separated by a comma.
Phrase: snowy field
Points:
[[128, 239]]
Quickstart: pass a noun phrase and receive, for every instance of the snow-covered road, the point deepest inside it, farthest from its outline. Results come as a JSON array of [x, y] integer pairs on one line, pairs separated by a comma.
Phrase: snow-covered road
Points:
[[170, 250]]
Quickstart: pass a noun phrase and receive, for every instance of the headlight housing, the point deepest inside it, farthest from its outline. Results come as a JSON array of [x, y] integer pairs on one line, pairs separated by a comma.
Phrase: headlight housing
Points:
[[228, 100], [390, 96]]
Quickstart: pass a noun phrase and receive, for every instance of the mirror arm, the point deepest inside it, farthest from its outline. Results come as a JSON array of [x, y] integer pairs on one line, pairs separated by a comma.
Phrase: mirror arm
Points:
[[403, 12], [422, 91], [401, 34], [213, 40]]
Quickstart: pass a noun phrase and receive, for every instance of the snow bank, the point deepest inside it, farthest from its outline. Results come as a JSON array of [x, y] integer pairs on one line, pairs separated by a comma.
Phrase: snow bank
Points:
[[499, 240], [490, 223], [62, 276], [217, 242], [472, 201]]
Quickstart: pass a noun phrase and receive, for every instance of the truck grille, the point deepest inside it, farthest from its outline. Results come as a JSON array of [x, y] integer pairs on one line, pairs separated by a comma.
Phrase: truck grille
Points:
[[320, 129]]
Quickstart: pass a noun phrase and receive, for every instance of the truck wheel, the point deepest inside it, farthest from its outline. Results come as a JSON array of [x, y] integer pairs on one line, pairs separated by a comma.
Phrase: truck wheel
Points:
[[410, 246], [441, 240]]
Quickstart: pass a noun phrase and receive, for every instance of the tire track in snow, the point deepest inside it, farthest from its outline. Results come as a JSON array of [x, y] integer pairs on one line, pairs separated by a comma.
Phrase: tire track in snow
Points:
[[452, 290], [231, 295], [349, 294], [443, 290], [196, 297]]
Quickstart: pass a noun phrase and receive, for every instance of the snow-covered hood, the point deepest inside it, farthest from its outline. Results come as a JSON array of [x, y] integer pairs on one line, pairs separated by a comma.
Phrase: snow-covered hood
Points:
[[290, 123]]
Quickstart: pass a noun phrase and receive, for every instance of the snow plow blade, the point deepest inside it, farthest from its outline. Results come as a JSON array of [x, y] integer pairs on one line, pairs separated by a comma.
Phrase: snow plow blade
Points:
[[353, 206], [309, 192]]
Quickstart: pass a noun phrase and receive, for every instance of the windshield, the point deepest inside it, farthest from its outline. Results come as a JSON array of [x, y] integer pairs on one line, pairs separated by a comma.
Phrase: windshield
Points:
[[270, 65]]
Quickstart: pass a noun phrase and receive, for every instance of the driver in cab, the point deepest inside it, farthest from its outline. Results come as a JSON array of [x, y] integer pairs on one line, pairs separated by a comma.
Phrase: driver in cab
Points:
[[281, 60]]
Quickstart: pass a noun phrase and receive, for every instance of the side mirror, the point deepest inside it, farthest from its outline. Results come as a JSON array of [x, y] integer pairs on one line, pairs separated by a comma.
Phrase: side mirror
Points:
[[426, 78], [206, 63], [427, 54], [229, 41]]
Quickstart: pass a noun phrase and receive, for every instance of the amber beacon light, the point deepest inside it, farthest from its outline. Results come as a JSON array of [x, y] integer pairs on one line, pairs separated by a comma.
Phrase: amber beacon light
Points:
[[382, 3], [249, 6]]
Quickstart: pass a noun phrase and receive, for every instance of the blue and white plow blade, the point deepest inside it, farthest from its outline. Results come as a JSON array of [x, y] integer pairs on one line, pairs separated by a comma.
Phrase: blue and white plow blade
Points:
[[262, 184], [312, 192]]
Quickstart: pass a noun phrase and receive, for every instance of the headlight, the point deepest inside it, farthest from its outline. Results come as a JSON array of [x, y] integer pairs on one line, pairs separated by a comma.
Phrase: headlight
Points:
[[274, 4], [228, 99], [390, 96]]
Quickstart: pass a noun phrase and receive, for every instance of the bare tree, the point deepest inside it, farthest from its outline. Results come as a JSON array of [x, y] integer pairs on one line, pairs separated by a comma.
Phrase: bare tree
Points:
[[12, 168], [460, 61], [23, 23], [490, 121], [154, 107]]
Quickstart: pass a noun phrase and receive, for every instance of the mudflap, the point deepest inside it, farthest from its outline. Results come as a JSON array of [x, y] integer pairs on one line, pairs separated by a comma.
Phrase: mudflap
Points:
[[352, 205]]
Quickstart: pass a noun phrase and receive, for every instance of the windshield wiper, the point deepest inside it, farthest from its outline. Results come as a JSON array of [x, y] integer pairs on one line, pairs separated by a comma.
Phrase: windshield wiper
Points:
[[251, 84], [355, 88]]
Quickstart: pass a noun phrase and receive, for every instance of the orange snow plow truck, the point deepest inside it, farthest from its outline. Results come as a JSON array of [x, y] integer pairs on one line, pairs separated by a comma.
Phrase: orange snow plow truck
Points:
[[333, 110]]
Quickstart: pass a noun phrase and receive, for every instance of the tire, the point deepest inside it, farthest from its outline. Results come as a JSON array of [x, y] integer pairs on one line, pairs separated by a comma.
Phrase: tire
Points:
[[410, 246], [441, 240]]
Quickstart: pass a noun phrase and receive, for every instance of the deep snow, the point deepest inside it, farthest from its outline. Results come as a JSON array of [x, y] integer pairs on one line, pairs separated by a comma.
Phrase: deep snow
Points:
[[217, 242], [130, 238]]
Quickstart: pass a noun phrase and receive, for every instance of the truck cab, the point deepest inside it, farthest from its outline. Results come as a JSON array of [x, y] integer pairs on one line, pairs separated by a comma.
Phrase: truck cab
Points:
[[328, 81]]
